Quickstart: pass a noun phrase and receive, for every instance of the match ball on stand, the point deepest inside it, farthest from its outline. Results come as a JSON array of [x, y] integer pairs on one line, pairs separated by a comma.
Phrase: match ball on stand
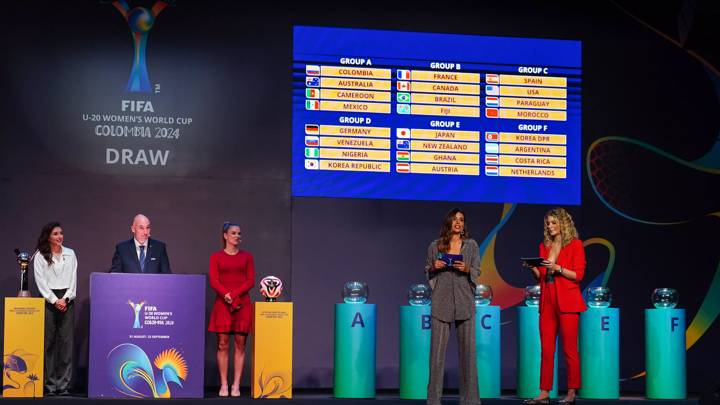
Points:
[[271, 288]]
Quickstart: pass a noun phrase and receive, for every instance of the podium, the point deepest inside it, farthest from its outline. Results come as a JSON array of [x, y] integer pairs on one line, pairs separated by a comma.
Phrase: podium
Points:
[[354, 372], [487, 346], [600, 353], [665, 353], [147, 335], [24, 347], [414, 351], [272, 350], [528, 354]]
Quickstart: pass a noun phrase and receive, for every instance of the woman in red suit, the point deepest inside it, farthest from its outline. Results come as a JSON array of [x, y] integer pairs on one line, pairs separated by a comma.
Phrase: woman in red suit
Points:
[[560, 301], [232, 275]]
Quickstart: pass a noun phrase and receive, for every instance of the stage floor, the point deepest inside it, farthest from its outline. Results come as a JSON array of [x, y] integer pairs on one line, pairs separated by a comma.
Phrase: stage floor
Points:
[[325, 397]]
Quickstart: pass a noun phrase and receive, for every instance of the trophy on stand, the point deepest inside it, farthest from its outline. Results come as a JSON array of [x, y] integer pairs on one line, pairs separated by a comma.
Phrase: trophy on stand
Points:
[[23, 259], [270, 288]]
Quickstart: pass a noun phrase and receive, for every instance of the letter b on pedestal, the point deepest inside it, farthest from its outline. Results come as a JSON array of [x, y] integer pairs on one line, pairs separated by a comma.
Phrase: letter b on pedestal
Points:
[[414, 351]]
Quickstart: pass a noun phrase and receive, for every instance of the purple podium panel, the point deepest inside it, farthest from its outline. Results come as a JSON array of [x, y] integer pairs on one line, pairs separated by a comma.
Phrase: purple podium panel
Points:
[[147, 335]]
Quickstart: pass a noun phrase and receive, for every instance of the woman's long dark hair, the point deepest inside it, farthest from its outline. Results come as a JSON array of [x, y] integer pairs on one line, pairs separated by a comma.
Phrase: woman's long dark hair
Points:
[[43, 244], [446, 230]]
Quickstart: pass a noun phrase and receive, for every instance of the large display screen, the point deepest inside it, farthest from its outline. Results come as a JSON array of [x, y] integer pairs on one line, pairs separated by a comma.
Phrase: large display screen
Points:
[[421, 116]]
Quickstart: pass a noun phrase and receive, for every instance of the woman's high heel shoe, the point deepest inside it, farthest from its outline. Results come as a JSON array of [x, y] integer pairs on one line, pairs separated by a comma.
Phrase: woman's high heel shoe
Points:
[[564, 401]]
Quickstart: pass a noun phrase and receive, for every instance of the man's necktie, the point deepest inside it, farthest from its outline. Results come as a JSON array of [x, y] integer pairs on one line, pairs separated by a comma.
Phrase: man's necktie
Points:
[[142, 258]]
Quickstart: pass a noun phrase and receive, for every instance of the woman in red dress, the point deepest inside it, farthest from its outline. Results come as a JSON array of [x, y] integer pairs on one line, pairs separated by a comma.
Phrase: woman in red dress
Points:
[[560, 301], [232, 275]]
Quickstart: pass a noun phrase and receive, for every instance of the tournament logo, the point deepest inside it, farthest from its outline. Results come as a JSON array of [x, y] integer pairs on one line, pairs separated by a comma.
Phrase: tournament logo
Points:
[[136, 309], [140, 20]]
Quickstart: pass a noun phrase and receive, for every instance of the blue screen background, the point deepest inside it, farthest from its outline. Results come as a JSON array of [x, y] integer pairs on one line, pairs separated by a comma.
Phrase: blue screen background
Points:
[[410, 50]]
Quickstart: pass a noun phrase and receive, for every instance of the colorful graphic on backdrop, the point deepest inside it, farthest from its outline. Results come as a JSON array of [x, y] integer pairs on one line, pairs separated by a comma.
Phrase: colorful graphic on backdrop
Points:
[[275, 384], [140, 20], [19, 367], [614, 195], [132, 373]]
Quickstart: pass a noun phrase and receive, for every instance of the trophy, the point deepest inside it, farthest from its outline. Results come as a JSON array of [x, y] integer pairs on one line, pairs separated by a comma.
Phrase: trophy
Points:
[[598, 297], [23, 259], [665, 298], [483, 295], [355, 292], [270, 288], [419, 294], [532, 295]]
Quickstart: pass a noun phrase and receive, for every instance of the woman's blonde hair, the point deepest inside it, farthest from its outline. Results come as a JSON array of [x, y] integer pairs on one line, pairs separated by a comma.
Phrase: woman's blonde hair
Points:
[[567, 226]]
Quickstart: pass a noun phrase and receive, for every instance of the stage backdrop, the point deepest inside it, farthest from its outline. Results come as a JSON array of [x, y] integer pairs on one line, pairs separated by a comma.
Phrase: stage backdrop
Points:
[[183, 113]]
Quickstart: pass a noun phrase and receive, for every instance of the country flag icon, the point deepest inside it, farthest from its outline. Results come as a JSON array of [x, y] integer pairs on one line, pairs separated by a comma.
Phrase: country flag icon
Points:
[[491, 136], [402, 144], [403, 108], [312, 129], [312, 164], [403, 74], [403, 97], [491, 112], [492, 90], [402, 167], [492, 78], [402, 156], [402, 133], [312, 152], [312, 81], [312, 141], [491, 159], [312, 105], [312, 93], [492, 148], [403, 86], [312, 70], [492, 101], [491, 170]]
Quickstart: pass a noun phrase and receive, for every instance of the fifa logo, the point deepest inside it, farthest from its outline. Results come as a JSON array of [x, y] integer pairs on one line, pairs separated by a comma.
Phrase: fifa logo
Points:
[[140, 20], [136, 309]]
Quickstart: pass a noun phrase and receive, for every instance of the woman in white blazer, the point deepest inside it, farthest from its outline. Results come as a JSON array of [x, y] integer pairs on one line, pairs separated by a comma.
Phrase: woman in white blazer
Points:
[[56, 276]]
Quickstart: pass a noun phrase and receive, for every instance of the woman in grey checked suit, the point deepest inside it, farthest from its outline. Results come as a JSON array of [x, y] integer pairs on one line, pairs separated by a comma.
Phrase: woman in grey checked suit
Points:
[[453, 301]]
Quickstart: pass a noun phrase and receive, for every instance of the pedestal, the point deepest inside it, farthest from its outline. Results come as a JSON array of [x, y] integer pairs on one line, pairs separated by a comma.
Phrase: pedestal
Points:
[[600, 353], [24, 347], [487, 344], [354, 375], [272, 350], [414, 351], [665, 353], [528, 354]]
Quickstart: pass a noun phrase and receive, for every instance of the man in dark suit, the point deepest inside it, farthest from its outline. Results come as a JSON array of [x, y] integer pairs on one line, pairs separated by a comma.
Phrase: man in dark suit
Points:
[[140, 254]]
